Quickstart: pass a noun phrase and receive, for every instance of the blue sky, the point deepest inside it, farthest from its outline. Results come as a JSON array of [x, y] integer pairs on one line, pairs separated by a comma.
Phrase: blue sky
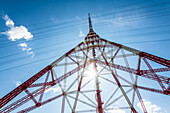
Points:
[[52, 27]]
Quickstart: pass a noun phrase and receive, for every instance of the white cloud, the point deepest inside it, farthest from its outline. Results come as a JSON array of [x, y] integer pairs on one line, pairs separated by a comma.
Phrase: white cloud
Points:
[[151, 108], [17, 83], [23, 44], [116, 110], [29, 49], [9, 22], [26, 48], [31, 53], [54, 90], [18, 32], [81, 34]]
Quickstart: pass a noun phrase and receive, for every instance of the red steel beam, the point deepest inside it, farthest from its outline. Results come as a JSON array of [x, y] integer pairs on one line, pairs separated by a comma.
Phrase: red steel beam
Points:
[[21, 101], [119, 85], [154, 74], [148, 75], [157, 59], [153, 90], [141, 101], [44, 102], [22, 87], [156, 70], [90, 47], [35, 93], [154, 58]]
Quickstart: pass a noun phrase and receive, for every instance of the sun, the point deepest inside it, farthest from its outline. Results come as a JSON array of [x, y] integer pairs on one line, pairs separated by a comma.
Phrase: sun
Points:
[[90, 72]]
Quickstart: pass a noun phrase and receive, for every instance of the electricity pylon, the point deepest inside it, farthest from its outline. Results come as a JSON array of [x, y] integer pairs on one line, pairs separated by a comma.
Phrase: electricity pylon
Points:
[[95, 76]]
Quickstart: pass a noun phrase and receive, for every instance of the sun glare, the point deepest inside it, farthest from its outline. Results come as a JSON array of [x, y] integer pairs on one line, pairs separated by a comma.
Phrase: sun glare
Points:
[[90, 72]]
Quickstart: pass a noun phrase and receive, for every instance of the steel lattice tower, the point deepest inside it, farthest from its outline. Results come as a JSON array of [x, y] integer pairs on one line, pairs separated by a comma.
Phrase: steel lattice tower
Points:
[[95, 76]]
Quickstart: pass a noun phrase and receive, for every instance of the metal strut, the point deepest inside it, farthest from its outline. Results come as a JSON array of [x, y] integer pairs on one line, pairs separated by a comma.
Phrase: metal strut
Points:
[[100, 109]]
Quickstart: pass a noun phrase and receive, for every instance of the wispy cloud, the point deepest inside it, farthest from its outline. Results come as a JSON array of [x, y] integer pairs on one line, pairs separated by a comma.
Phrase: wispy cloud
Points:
[[54, 90], [17, 83], [81, 34], [24, 45], [151, 108], [26, 48], [116, 110], [59, 20], [9, 22], [16, 33], [78, 18], [119, 17], [116, 20]]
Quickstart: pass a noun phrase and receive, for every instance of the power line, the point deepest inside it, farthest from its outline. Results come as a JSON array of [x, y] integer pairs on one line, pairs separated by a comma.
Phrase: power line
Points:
[[144, 12], [123, 11], [101, 16], [28, 63], [164, 9], [127, 10], [132, 9], [131, 30], [142, 34], [14, 60], [44, 22], [150, 16], [51, 45], [152, 27], [137, 18], [43, 37], [97, 16], [148, 33], [107, 14], [60, 28], [61, 25], [73, 20], [137, 42], [24, 57], [145, 17], [147, 41], [73, 40]]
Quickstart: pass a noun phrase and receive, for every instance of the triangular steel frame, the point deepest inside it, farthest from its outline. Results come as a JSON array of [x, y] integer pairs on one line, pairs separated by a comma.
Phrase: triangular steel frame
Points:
[[93, 51]]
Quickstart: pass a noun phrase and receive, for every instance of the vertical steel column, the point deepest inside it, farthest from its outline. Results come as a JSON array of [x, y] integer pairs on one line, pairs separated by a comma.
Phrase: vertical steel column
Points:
[[100, 109], [120, 86], [79, 86]]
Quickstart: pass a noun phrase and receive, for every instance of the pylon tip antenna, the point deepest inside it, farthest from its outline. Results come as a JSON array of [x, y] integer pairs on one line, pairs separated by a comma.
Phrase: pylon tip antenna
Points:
[[90, 24], [88, 14]]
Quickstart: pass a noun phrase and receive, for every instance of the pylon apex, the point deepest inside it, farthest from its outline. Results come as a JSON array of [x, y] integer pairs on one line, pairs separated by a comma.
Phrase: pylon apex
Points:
[[91, 33], [90, 24]]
